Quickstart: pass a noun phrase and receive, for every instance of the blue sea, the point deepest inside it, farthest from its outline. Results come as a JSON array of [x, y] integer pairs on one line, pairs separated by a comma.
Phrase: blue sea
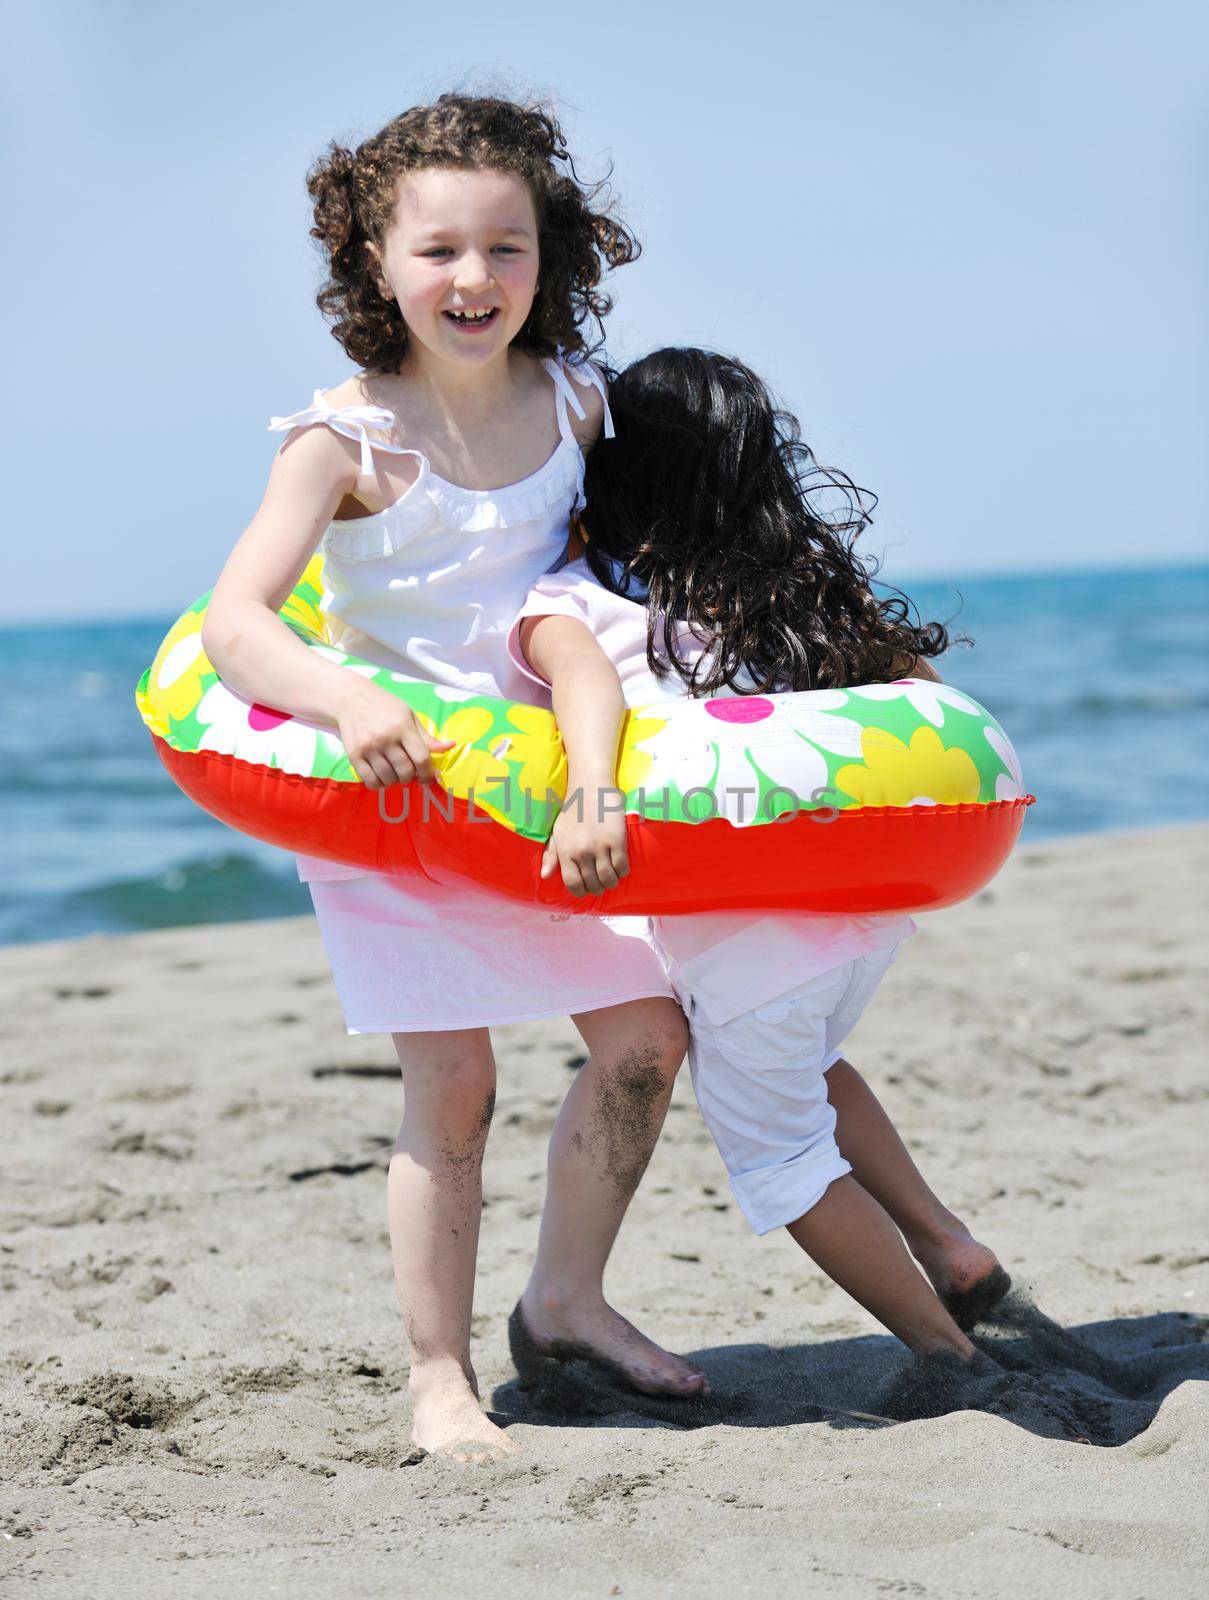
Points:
[[1101, 680]]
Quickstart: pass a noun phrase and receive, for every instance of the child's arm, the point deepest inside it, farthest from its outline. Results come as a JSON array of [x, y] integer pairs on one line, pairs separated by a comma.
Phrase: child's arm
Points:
[[588, 841], [258, 656]]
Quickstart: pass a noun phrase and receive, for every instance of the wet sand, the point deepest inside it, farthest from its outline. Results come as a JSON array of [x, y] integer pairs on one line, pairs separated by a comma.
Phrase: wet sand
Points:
[[203, 1379]]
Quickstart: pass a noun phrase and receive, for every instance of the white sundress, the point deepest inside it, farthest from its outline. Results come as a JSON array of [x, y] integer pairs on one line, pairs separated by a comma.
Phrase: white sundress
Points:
[[430, 586]]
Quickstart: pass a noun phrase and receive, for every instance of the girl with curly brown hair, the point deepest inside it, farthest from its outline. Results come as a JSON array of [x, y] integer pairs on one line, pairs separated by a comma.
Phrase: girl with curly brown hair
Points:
[[719, 562], [465, 259]]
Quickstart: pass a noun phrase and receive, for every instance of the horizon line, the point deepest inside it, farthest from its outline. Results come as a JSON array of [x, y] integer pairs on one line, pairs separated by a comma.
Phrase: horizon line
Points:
[[916, 575]]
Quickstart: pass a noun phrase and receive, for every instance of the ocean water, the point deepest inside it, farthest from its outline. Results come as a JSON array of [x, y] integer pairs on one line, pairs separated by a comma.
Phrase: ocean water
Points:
[[1101, 680]]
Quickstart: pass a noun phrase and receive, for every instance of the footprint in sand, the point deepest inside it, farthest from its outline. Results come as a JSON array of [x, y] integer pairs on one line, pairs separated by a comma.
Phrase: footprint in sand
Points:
[[360, 1069], [339, 1169], [140, 1142], [1056, 1382]]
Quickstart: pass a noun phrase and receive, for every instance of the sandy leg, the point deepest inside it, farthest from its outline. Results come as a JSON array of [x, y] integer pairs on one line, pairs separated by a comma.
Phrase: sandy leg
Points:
[[600, 1147], [434, 1203], [850, 1236], [956, 1263]]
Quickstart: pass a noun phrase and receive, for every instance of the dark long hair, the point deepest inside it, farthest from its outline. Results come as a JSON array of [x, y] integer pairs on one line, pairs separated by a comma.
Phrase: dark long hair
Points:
[[709, 499]]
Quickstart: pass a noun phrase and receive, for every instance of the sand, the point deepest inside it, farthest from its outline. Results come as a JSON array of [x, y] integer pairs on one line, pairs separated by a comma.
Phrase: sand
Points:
[[203, 1383]]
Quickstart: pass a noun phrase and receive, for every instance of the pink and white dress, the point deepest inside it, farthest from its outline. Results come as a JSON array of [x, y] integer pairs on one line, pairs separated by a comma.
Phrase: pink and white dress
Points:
[[430, 586]]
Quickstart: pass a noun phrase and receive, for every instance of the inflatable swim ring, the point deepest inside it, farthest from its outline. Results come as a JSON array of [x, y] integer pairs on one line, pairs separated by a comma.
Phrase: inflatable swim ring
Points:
[[897, 796]]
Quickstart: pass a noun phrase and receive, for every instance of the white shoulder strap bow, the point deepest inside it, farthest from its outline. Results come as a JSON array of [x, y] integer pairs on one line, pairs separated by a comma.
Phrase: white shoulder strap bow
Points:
[[587, 377], [354, 422]]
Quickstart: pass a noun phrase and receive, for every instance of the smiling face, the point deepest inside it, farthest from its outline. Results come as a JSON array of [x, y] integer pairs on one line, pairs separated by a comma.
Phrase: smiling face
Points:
[[461, 259]]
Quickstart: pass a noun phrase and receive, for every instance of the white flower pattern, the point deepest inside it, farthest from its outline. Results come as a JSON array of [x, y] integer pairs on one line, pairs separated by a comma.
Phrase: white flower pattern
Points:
[[1009, 785], [926, 697], [705, 745], [256, 733], [179, 659]]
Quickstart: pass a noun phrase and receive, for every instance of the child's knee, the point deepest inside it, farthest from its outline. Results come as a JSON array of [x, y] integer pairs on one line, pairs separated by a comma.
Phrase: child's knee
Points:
[[678, 1036], [467, 1101], [643, 1072], [669, 1040], [456, 1093]]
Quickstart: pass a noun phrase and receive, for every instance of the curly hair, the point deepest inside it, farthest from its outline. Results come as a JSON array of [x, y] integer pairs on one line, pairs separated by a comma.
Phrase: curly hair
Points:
[[708, 500], [354, 193]]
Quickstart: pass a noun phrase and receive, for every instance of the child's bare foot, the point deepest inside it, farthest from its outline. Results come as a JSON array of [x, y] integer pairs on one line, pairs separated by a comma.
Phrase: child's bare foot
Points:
[[965, 1274], [591, 1331], [447, 1418]]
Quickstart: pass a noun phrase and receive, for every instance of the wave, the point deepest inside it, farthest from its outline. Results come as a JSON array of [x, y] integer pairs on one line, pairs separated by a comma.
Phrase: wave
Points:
[[1152, 701], [225, 888], [132, 786], [1085, 705]]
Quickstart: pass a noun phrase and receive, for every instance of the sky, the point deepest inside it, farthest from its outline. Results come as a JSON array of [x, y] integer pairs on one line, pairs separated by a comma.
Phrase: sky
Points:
[[965, 243]]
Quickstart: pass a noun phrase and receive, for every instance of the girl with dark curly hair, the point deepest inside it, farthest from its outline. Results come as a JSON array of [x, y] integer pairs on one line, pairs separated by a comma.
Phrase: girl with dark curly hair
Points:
[[464, 262], [719, 562]]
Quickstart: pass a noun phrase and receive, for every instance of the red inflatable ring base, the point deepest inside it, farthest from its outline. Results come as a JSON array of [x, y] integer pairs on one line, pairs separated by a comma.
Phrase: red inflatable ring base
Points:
[[877, 858]]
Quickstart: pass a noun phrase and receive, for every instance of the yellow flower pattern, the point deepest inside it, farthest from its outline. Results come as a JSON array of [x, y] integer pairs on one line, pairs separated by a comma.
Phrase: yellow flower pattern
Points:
[[636, 763], [464, 768], [465, 772], [896, 774], [539, 750], [300, 609], [178, 670]]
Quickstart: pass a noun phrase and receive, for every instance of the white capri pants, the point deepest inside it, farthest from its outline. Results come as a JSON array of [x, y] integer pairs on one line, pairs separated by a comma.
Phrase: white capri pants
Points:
[[761, 1085]]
